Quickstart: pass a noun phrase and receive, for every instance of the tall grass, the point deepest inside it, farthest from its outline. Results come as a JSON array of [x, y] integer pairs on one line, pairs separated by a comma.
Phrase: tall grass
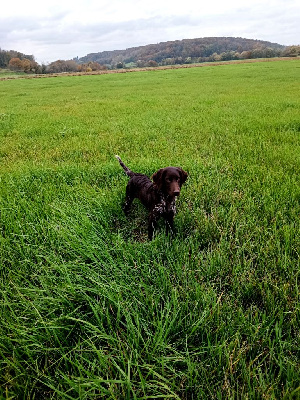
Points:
[[89, 308]]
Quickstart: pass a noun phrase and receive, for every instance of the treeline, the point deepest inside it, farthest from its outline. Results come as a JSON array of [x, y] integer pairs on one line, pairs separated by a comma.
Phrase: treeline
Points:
[[19, 62], [185, 51], [190, 51], [72, 66]]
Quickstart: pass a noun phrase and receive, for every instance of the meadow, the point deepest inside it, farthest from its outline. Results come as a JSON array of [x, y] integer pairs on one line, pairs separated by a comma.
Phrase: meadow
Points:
[[90, 309]]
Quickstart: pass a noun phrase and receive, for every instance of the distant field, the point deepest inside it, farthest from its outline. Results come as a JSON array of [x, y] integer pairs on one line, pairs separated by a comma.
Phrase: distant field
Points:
[[6, 73], [89, 308]]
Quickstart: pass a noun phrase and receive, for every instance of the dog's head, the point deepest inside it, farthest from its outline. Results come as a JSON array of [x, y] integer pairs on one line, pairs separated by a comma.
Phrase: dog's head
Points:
[[169, 180]]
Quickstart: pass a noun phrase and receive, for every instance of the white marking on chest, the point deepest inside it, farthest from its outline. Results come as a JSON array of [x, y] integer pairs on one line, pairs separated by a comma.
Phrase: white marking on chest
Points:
[[160, 207], [172, 206], [163, 207]]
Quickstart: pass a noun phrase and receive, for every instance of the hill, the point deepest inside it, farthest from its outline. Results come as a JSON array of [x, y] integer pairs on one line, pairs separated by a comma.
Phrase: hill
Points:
[[187, 50]]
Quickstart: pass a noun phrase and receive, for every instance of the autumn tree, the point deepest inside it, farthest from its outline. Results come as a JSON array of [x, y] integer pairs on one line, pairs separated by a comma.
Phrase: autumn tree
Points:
[[15, 64], [24, 65], [62, 66], [90, 66], [246, 54], [292, 51], [152, 63], [36, 68]]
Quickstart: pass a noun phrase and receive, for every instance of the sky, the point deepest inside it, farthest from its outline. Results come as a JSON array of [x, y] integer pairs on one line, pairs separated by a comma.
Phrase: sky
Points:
[[64, 29]]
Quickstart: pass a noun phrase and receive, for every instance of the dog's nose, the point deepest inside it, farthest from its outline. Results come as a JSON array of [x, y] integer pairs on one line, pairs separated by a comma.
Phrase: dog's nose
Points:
[[176, 192]]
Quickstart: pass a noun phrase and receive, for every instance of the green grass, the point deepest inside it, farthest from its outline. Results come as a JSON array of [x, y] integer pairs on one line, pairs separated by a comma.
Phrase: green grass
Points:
[[6, 73], [89, 308]]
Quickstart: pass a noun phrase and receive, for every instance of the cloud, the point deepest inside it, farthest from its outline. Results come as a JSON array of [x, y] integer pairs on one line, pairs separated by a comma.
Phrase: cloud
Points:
[[69, 29]]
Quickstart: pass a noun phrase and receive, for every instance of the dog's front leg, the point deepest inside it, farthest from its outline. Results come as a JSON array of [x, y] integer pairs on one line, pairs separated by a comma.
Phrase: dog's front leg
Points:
[[152, 226], [170, 227], [154, 216]]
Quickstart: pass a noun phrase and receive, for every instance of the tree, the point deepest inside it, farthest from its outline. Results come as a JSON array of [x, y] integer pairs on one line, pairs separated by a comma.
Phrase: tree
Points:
[[70, 66], [168, 61], [140, 63], [62, 66], [26, 65], [246, 54], [35, 67], [292, 51], [15, 64], [90, 66], [215, 57], [152, 63], [4, 58]]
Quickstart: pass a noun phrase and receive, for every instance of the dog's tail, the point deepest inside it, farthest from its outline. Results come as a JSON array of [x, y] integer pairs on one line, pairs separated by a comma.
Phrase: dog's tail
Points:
[[126, 169]]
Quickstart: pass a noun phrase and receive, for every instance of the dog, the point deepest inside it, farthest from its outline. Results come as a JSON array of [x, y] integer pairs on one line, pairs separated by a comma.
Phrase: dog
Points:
[[159, 196]]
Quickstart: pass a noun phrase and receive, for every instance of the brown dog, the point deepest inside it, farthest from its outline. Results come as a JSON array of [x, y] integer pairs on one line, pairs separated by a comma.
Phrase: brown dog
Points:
[[159, 196]]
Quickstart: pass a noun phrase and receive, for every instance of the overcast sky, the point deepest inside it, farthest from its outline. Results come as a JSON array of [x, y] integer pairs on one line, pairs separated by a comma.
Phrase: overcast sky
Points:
[[64, 29]]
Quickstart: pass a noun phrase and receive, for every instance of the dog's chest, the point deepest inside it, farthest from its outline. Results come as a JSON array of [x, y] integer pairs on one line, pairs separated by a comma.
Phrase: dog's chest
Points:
[[164, 207]]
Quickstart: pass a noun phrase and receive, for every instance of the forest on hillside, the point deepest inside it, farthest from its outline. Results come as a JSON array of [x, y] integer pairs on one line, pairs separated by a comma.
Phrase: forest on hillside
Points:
[[187, 51]]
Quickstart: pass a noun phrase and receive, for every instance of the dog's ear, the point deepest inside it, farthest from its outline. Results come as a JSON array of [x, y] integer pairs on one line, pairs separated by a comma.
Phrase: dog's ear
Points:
[[183, 175], [157, 178]]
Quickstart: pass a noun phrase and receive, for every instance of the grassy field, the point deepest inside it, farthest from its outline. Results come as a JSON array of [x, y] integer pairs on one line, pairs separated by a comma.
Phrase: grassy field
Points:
[[6, 73], [89, 308]]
